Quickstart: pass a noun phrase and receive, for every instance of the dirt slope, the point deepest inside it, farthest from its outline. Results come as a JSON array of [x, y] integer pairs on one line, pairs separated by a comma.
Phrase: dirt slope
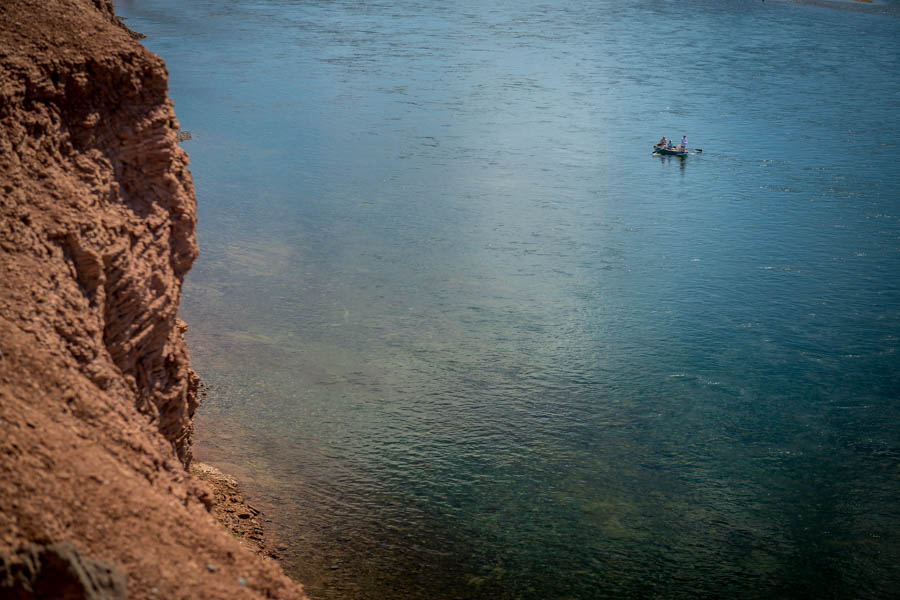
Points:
[[97, 220]]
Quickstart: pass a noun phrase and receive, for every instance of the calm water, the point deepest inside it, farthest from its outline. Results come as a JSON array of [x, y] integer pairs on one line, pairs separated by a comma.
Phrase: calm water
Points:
[[466, 338]]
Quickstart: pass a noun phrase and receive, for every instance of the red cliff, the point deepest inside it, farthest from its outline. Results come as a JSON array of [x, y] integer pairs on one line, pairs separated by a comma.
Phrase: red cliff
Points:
[[97, 219]]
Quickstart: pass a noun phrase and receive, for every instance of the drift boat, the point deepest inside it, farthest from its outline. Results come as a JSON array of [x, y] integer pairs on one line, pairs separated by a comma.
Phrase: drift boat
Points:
[[674, 151]]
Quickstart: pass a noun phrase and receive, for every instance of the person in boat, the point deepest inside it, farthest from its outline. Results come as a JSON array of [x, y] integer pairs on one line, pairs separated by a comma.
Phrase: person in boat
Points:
[[669, 145], [661, 143], [684, 142]]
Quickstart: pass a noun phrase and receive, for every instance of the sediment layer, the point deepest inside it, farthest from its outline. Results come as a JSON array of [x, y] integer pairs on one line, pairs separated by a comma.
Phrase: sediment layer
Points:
[[97, 220]]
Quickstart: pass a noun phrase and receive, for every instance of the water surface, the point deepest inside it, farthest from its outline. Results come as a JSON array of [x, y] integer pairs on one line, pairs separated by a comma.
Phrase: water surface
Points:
[[466, 338]]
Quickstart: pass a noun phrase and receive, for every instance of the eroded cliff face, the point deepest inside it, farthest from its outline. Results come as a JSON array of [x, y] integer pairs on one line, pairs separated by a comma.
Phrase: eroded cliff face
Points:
[[97, 220], [99, 207]]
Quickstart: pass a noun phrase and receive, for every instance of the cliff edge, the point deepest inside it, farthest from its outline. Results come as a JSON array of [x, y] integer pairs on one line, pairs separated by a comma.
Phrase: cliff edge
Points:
[[97, 220]]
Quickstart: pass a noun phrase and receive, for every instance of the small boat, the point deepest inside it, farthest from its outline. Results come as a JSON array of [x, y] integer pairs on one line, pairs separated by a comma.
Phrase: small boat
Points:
[[674, 151]]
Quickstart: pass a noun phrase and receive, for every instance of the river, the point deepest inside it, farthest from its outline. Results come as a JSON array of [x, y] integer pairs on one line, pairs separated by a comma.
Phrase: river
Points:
[[465, 337]]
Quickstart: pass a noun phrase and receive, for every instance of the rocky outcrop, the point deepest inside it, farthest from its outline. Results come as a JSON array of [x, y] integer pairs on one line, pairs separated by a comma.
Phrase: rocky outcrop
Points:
[[242, 520], [59, 571], [97, 220]]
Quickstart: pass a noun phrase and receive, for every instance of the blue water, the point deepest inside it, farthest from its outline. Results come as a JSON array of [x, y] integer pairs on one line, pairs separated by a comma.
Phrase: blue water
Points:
[[466, 338]]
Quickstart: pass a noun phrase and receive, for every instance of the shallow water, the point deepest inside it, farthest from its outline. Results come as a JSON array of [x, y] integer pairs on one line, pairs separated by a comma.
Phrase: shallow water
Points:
[[466, 338]]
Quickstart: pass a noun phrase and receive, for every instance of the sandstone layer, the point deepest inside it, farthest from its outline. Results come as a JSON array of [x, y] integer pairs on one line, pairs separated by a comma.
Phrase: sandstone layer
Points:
[[97, 220]]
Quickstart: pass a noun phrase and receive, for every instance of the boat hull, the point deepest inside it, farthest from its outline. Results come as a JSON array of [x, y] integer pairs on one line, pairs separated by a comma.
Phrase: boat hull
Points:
[[669, 151]]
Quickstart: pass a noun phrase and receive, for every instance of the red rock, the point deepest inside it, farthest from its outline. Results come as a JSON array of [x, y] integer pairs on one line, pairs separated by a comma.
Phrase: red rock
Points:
[[97, 219]]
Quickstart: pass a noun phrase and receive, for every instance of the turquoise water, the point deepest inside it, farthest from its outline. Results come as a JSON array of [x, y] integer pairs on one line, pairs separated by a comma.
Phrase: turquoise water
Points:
[[466, 338]]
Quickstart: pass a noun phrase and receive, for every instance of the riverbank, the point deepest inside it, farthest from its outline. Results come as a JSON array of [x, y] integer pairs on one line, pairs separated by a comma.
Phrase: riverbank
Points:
[[241, 520]]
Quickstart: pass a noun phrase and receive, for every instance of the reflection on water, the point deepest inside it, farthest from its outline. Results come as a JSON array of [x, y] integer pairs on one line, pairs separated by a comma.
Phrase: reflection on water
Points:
[[467, 338]]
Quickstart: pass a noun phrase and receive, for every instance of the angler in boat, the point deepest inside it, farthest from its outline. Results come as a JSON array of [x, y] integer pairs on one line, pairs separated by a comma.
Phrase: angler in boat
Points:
[[667, 146]]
